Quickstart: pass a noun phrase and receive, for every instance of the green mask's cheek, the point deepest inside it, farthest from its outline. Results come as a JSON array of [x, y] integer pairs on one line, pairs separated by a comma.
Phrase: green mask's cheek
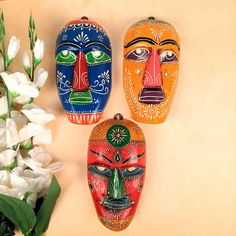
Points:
[[97, 57], [66, 57]]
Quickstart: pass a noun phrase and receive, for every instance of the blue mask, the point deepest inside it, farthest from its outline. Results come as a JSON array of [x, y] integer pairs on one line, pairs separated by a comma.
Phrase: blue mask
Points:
[[83, 70]]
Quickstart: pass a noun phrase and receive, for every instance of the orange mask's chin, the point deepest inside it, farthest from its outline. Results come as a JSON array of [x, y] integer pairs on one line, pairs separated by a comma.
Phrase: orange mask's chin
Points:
[[150, 69]]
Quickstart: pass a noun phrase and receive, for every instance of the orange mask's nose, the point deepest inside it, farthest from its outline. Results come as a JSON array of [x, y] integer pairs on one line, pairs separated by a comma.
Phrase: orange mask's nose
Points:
[[80, 78], [152, 74], [152, 92]]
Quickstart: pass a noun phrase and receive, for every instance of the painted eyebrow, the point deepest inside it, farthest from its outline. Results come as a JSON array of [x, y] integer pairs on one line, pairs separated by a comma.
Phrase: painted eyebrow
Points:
[[97, 42], [167, 41], [140, 39], [68, 44], [133, 157], [100, 155]]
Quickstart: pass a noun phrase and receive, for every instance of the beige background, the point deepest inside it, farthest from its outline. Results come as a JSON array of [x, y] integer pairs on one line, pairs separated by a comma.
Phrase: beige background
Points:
[[191, 164]]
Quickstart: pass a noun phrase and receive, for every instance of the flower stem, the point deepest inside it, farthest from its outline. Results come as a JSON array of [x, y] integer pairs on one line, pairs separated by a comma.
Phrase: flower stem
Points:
[[8, 101], [32, 66], [4, 55], [32, 38]]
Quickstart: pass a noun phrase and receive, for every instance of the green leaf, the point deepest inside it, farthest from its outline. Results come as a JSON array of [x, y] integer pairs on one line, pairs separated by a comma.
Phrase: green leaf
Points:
[[31, 21], [7, 228], [45, 211], [18, 212]]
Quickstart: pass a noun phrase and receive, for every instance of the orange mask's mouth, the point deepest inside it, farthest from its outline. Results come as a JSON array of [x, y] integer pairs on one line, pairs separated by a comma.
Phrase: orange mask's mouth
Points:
[[152, 95]]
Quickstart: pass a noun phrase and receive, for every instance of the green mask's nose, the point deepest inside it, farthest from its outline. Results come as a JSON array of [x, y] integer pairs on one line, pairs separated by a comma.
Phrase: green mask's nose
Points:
[[116, 188], [117, 199]]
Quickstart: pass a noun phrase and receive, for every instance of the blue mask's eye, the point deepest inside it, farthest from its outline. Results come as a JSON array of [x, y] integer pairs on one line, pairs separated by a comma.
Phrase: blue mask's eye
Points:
[[138, 54], [100, 170], [132, 171], [97, 57], [66, 57], [168, 57]]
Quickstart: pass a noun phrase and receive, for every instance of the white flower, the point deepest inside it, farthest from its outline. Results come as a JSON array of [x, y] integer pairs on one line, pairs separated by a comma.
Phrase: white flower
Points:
[[26, 59], [38, 185], [22, 100], [33, 176], [39, 134], [18, 131], [19, 118], [36, 114], [41, 78], [9, 130], [3, 107], [24, 184], [18, 84], [13, 48], [29, 131], [12, 136], [38, 50], [12, 185], [7, 158], [40, 161], [1, 64], [45, 137]]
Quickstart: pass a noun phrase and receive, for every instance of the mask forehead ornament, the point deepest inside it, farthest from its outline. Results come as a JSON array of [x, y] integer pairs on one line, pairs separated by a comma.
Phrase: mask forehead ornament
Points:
[[116, 170], [150, 69], [83, 70]]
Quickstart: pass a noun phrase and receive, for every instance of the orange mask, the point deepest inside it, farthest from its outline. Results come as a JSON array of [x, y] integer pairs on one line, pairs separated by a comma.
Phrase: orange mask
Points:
[[150, 69]]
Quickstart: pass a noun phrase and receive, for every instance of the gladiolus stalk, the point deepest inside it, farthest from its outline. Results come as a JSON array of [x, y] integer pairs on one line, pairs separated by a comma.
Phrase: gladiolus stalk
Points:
[[4, 55]]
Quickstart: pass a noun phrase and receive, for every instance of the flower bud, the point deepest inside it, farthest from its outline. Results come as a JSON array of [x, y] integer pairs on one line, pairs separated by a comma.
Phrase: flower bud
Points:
[[3, 107], [26, 63], [13, 48], [38, 51], [41, 78]]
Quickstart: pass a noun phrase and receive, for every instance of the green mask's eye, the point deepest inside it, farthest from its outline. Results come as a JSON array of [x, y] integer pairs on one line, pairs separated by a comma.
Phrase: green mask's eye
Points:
[[132, 171], [66, 57], [97, 57], [100, 170]]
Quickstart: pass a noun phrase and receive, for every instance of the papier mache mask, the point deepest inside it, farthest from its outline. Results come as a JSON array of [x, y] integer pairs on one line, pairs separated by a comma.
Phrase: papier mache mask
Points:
[[150, 69], [116, 170], [83, 70]]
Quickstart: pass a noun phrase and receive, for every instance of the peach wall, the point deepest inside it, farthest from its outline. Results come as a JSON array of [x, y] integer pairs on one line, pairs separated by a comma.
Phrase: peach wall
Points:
[[191, 163]]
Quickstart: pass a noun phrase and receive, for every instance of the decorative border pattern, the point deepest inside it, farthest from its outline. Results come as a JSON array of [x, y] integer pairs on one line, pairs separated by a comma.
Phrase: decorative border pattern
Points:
[[84, 118]]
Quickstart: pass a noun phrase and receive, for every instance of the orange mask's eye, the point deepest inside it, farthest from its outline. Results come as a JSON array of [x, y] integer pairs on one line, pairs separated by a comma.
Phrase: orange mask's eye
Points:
[[168, 57], [138, 54]]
